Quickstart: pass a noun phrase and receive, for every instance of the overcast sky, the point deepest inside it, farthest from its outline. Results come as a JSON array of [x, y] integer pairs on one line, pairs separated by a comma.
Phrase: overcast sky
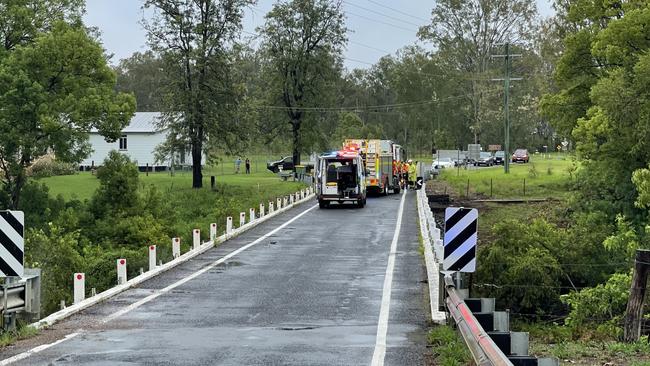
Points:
[[378, 27]]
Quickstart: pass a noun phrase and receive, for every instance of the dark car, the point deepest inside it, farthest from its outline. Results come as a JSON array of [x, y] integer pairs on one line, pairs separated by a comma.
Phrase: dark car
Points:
[[520, 156], [283, 164], [485, 159], [499, 157]]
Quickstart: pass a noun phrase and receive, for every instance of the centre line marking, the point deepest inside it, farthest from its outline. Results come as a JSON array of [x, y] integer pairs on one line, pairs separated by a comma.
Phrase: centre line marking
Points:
[[382, 327]]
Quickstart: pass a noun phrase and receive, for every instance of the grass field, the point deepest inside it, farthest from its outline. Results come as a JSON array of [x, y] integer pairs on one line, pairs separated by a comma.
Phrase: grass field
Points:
[[541, 178], [82, 185]]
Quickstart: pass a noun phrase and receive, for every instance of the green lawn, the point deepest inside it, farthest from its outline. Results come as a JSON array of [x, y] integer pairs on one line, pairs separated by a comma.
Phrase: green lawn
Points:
[[541, 178], [81, 186]]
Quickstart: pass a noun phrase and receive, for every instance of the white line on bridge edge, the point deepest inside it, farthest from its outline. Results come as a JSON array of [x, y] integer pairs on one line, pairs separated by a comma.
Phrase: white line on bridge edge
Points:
[[40, 348], [153, 296], [382, 327]]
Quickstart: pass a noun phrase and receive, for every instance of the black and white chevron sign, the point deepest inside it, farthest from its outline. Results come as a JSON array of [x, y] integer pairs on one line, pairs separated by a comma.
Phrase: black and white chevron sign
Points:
[[461, 234], [12, 243]]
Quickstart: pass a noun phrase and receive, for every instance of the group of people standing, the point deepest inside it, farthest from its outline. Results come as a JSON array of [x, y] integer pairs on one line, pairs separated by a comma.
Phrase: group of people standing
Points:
[[247, 164], [406, 171]]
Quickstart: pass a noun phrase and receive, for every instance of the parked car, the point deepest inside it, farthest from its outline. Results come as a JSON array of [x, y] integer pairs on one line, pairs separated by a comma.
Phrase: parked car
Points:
[[499, 157], [520, 156], [283, 164], [485, 159], [442, 163]]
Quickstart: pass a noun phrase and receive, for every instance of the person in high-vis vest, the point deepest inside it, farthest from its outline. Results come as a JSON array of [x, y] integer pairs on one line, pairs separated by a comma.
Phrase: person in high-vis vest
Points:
[[412, 173], [405, 173]]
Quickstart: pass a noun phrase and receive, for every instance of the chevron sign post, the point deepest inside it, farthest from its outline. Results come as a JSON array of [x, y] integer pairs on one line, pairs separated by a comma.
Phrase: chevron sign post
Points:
[[461, 234], [12, 243]]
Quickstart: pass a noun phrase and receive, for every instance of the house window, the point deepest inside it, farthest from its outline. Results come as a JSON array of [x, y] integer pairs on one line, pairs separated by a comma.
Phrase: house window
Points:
[[123, 142]]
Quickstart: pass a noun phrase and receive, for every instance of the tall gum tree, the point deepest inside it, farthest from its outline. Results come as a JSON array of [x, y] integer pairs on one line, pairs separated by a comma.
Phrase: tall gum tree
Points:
[[469, 31], [303, 41], [195, 40], [55, 86]]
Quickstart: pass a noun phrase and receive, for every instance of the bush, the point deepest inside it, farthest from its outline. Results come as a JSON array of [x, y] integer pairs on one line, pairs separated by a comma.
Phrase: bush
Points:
[[447, 346], [602, 306], [118, 188], [48, 166], [55, 252]]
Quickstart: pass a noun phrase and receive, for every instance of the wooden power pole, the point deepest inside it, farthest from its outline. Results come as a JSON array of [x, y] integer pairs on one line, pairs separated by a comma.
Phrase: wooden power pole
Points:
[[507, 57], [634, 311]]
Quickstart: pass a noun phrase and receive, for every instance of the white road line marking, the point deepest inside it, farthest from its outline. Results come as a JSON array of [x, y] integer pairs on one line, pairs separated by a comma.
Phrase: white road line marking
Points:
[[24, 355], [196, 274], [382, 326], [145, 300]]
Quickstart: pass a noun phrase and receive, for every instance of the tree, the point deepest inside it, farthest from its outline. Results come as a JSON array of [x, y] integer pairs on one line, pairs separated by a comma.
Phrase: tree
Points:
[[469, 31], [53, 91], [200, 99], [142, 75], [303, 40]]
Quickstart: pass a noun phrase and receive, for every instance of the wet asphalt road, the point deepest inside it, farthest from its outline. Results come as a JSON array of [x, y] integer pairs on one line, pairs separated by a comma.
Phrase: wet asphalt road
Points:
[[308, 295]]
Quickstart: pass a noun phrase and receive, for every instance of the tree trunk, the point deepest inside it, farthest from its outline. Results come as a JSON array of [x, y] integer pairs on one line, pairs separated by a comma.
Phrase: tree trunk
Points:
[[16, 189], [634, 311], [197, 175], [295, 127]]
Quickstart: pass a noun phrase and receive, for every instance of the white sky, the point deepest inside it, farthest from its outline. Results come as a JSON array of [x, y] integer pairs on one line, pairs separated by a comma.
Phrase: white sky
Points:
[[376, 30]]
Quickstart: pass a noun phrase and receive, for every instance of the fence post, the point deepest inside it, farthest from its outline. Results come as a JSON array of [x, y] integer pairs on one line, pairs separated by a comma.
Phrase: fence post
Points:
[[251, 214], [491, 189], [291, 199], [176, 247], [79, 287], [271, 209], [121, 271], [196, 238], [261, 210], [152, 257], [524, 186], [279, 203], [467, 189], [213, 231], [634, 311], [242, 219], [229, 225]]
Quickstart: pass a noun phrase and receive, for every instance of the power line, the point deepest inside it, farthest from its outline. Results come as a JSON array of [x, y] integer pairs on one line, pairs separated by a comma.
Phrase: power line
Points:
[[398, 11], [381, 22], [381, 14], [370, 47]]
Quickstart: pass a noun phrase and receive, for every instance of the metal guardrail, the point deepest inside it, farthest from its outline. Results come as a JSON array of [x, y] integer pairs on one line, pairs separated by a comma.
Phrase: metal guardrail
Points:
[[21, 295], [484, 351]]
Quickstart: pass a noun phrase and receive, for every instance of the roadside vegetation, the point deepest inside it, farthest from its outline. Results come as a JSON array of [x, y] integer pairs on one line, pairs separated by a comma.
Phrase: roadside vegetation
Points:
[[447, 347]]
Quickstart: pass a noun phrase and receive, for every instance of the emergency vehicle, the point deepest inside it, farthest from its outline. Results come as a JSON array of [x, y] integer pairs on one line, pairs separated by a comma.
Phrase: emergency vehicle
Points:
[[341, 177], [382, 160]]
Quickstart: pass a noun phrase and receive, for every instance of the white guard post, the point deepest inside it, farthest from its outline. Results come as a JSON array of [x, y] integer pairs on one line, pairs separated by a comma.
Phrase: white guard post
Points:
[[279, 203], [176, 247], [152, 257], [79, 287], [252, 215], [285, 201], [242, 219], [121, 271], [271, 209], [213, 231], [196, 238], [261, 214], [229, 225], [291, 199]]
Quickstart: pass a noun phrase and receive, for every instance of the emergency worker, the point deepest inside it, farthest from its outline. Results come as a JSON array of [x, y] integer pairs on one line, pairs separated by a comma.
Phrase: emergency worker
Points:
[[412, 173], [405, 172]]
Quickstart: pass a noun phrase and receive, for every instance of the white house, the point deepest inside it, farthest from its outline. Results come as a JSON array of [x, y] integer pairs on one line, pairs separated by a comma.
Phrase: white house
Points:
[[138, 141]]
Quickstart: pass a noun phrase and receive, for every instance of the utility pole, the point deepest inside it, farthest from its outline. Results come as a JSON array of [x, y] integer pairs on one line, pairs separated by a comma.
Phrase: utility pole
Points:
[[506, 103]]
